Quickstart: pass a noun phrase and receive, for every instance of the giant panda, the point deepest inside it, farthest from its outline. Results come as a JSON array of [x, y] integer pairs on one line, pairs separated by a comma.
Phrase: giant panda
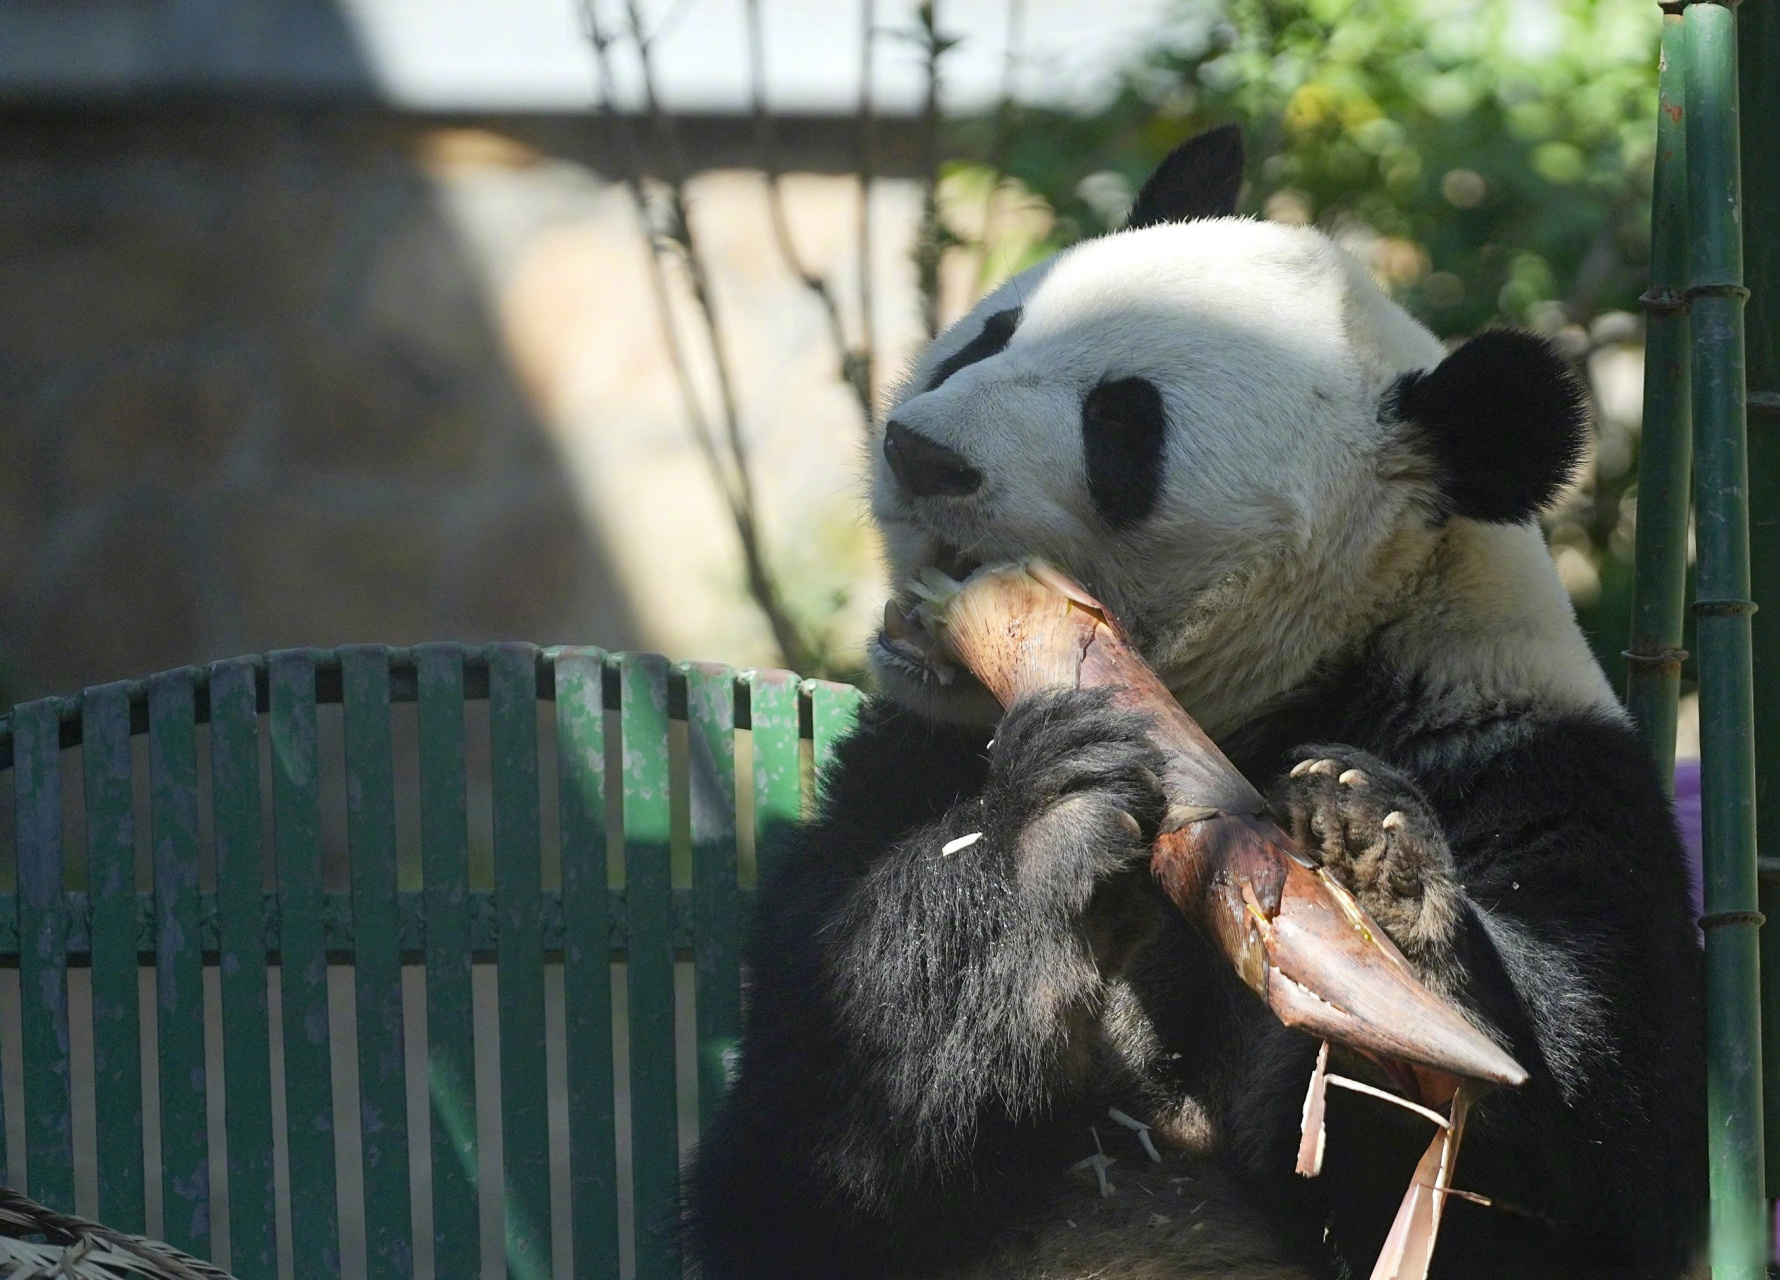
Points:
[[1320, 528]]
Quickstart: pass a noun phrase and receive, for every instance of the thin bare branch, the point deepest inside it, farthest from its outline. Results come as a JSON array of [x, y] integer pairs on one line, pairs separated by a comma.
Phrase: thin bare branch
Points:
[[631, 154], [679, 231], [853, 362], [932, 239], [1003, 139], [730, 474], [868, 150]]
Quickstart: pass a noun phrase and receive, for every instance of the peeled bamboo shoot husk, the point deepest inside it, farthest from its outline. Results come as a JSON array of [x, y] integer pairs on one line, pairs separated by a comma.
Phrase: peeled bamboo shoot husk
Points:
[[1295, 935]]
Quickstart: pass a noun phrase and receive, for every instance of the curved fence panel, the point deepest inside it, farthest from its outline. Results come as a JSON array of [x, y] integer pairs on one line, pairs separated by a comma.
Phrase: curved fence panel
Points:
[[402, 962]]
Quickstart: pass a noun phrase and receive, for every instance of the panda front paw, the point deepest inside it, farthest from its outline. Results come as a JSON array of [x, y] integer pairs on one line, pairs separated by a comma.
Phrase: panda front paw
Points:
[[1074, 793], [1369, 826]]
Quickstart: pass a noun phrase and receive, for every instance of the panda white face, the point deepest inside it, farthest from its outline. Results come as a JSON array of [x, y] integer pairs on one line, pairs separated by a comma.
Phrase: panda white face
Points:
[[1206, 422], [1153, 411]]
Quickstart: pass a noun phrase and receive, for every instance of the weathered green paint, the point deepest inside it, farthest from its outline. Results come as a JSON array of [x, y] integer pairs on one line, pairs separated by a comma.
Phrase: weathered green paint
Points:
[[716, 903], [834, 714], [377, 960], [303, 971], [375, 920], [111, 879], [1665, 455], [179, 961], [444, 853], [43, 956], [247, 1051], [525, 1123], [1758, 74], [648, 893], [778, 780], [1734, 1083], [587, 972]]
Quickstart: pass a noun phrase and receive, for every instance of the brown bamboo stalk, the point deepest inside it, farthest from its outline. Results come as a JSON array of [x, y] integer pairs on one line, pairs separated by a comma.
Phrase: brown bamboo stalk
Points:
[[1295, 935]]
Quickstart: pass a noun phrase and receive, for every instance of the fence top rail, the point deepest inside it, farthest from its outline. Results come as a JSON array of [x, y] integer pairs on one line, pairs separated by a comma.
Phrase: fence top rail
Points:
[[403, 686]]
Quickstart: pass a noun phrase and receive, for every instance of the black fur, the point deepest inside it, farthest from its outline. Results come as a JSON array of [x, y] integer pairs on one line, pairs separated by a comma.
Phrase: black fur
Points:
[[1124, 426], [930, 1036], [1505, 421], [914, 1050], [1201, 178], [997, 332]]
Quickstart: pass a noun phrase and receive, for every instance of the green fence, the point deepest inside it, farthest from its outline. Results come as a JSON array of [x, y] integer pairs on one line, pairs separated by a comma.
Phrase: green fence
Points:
[[224, 876]]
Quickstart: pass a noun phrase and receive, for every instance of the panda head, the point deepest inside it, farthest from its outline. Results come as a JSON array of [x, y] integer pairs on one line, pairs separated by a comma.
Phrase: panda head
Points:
[[1225, 430]]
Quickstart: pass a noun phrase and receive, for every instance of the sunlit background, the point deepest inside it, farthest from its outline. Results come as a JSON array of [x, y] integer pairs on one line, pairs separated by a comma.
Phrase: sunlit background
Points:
[[564, 320], [416, 319]]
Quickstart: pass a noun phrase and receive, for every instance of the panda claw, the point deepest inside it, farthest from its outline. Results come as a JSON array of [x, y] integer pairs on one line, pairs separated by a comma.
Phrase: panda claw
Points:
[[1130, 824], [1324, 768], [1393, 820], [1301, 768], [1352, 778]]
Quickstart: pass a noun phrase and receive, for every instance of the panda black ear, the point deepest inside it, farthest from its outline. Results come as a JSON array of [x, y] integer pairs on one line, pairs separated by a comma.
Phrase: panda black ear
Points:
[[1201, 178], [1503, 419]]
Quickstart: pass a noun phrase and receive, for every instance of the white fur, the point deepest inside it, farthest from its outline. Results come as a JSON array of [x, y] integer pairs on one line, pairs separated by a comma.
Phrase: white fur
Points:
[[1293, 521]]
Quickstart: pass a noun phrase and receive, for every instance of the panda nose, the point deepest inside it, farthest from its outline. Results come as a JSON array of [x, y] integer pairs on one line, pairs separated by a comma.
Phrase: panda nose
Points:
[[927, 468]]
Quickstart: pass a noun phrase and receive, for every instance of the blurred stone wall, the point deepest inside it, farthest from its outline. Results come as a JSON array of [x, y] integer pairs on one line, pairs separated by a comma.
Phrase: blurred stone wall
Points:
[[253, 399], [276, 377]]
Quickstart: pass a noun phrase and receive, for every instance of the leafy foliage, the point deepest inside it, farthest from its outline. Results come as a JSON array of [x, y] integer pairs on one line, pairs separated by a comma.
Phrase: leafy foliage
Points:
[[1489, 159], [1497, 153]]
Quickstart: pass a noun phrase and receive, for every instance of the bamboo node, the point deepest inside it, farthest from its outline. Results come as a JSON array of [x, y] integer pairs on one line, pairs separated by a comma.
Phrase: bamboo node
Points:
[[1660, 660], [1727, 607], [1716, 289], [1662, 302], [1732, 919]]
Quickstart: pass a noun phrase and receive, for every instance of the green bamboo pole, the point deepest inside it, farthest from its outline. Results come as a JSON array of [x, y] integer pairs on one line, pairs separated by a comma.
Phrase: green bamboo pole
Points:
[[1653, 663], [1758, 87], [1715, 294]]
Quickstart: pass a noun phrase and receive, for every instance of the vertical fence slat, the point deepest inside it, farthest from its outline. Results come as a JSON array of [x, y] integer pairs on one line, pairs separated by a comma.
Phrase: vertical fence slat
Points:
[[43, 955], [117, 1032], [247, 1047], [303, 969], [377, 960], [179, 961], [525, 1120], [587, 972], [710, 737], [654, 1125], [834, 713], [778, 787], [444, 852]]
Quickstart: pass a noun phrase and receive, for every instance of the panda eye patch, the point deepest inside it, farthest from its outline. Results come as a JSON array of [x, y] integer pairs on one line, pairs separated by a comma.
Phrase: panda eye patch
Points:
[[1123, 429], [997, 330]]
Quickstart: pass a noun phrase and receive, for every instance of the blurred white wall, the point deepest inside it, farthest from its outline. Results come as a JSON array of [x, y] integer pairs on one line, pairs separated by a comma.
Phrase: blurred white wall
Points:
[[506, 54]]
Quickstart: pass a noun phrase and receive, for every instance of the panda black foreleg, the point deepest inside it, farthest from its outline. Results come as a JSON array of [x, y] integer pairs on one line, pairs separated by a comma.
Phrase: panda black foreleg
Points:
[[1541, 886], [919, 1046]]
